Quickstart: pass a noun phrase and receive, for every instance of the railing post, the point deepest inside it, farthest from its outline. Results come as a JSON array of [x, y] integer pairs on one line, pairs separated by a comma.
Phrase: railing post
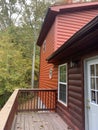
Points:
[[8, 112]]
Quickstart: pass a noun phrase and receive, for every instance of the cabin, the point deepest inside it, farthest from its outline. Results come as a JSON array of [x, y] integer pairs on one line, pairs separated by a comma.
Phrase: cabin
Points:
[[68, 43]]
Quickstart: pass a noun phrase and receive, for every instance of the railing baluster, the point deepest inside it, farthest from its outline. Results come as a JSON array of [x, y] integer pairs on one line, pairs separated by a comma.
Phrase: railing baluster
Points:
[[49, 100], [34, 100], [37, 99], [42, 100], [31, 100], [50, 97], [53, 100], [45, 98], [22, 101], [28, 94]]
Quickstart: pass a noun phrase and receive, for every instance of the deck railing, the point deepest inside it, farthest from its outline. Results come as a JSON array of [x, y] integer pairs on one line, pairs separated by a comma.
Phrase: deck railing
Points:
[[27, 100], [8, 112], [37, 100]]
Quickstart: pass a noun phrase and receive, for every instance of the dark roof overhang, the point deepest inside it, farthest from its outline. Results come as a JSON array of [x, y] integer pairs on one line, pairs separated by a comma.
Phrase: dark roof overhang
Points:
[[49, 19], [78, 43], [53, 11]]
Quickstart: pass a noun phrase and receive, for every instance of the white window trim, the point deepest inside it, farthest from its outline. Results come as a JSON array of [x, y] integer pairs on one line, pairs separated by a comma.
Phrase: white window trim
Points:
[[65, 104]]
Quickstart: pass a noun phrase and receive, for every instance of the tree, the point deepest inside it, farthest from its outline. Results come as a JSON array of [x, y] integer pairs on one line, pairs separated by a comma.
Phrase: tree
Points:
[[15, 63], [30, 15], [33, 16], [8, 9]]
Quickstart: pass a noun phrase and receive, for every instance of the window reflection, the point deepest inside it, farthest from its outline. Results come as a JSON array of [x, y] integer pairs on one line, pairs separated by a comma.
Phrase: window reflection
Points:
[[97, 97], [62, 94], [96, 83], [96, 69], [92, 83], [93, 97], [63, 74], [92, 70]]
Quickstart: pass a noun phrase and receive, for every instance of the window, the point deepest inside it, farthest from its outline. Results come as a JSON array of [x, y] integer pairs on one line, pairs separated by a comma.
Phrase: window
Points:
[[94, 83], [44, 46], [50, 73], [62, 84]]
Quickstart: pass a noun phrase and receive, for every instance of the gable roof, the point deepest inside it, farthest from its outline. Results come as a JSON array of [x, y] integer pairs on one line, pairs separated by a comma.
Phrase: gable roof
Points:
[[75, 43], [53, 11]]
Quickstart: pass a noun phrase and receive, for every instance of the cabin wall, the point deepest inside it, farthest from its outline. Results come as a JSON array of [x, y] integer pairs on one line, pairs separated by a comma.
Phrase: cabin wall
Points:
[[74, 112], [44, 80], [63, 28], [76, 95], [69, 23]]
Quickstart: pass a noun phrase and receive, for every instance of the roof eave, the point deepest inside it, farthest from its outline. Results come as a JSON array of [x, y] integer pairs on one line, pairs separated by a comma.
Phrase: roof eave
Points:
[[54, 11], [76, 37], [49, 19], [82, 6]]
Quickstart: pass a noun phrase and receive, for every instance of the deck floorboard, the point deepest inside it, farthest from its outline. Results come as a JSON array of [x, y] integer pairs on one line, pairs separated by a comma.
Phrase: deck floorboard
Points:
[[39, 121]]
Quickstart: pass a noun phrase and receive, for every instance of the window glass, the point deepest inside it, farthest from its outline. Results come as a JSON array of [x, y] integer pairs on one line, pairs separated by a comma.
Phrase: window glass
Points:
[[93, 97], [92, 83], [62, 93], [63, 74], [96, 83], [96, 69], [62, 84], [92, 70], [44, 46]]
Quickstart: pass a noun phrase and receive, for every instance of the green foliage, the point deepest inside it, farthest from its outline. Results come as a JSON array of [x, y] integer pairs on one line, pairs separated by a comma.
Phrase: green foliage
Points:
[[17, 43], [4, 98], [15, 61]]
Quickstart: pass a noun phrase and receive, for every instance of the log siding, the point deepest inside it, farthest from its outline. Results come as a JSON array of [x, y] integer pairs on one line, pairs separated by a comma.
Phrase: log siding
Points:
[[76, 96], [73, 114]]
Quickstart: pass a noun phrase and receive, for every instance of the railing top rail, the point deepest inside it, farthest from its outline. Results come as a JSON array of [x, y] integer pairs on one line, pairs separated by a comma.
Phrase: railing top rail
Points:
[[38, 89], [6, 110]]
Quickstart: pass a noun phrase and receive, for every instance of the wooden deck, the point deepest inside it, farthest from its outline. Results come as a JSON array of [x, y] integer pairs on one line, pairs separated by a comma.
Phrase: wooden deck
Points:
[[39, 121]]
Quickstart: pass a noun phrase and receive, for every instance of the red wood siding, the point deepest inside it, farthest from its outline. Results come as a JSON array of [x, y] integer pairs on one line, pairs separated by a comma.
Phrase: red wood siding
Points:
[[45, 81], [70, 23]]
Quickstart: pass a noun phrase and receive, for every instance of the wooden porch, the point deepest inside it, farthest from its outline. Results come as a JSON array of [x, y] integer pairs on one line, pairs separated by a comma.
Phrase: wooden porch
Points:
[[39, 121], [32, 109]]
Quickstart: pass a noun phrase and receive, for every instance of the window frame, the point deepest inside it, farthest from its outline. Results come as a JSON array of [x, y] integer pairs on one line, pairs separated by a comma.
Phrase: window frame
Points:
[[95, 77], [44, 45], [64, 83]]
